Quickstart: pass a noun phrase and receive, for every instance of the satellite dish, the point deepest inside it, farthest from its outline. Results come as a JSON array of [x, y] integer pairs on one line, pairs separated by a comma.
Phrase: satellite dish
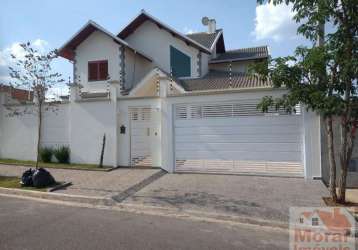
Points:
[[205, 20]]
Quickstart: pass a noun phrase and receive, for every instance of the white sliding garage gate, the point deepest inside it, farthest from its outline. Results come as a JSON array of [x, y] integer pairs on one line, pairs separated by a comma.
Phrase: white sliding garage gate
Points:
[[237, 138]]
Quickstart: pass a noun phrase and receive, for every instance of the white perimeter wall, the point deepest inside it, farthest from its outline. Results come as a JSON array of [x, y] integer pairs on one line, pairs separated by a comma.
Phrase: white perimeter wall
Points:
[[18, 134], [80, 125], [89, 121]]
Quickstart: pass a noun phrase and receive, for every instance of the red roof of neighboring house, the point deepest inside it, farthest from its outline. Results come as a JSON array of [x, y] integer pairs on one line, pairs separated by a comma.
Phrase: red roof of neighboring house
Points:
[[18, 94]]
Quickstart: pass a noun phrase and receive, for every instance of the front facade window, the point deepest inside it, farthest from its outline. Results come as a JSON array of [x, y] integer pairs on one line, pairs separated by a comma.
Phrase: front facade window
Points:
[[180, 63], [98, 70], [315, 222]]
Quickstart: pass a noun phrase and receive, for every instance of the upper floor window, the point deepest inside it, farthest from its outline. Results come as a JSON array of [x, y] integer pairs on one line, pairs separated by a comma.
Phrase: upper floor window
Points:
[[179, 63], [97, 70]]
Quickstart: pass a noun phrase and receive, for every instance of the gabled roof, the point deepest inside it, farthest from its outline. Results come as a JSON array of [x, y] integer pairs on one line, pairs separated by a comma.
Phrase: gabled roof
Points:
[[210, 39], [216, 80], [332, 220], [67, 49], [242, 55], [144, 16], [155, 72]]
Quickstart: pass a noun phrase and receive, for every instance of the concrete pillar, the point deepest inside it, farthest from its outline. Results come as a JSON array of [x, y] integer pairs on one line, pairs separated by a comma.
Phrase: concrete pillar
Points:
[[167, 128], [312, 144]]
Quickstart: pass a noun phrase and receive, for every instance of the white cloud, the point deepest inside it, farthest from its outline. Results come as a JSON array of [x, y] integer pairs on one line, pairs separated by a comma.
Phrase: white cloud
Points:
[[16, 50], [5, 79], [40, 44], [274, 22], [189, 30]]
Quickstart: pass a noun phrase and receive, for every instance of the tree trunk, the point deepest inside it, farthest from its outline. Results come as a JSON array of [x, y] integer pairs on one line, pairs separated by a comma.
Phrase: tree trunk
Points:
[[39, 135], [331, 157], [346, 155]]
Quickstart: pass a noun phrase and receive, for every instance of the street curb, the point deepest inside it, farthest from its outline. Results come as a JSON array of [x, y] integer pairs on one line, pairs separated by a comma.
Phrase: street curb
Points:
[[203, 216], [110, 204], [57, 196]]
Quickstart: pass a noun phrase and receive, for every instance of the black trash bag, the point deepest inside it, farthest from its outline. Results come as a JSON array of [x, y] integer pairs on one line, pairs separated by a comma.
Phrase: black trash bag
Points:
[[42, 178], [26, 179]]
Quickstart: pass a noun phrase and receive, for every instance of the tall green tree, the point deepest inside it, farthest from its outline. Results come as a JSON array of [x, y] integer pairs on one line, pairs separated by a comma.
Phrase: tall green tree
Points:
[[323, 78], [33, 72]]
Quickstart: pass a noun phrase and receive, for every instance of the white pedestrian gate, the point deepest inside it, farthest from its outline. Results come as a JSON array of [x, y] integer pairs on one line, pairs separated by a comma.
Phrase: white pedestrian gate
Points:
[[145, 136], [237, 138]]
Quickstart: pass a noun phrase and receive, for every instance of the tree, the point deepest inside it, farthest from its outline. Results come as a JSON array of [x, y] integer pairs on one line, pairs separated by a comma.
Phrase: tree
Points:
[[33, 72], [322, 78]]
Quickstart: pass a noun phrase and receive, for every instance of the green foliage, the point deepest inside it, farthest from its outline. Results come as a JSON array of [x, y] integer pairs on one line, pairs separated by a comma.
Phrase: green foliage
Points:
[[323, 78], [46, 154], [62, 154]]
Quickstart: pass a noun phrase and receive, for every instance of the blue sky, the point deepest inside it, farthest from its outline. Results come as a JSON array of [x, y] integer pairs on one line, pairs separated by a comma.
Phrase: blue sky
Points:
[[51, 23]]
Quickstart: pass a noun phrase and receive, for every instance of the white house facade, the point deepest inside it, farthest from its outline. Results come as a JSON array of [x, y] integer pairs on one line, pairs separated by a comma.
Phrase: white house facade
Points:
[[164, 99]]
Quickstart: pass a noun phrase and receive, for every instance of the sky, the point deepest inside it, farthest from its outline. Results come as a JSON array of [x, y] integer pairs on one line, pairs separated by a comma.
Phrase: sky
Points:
[[49, 24]]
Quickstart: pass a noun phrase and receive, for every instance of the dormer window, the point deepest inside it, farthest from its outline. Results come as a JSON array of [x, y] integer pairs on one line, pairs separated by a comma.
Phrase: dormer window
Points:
[[98, 70], [180, 64]]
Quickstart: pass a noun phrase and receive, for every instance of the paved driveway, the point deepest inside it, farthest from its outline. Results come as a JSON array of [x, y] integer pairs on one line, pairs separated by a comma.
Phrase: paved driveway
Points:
[[91, 183], [260, 197]]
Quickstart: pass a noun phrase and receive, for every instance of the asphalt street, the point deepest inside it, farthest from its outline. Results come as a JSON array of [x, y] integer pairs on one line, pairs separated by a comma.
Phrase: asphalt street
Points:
[[29, 224]]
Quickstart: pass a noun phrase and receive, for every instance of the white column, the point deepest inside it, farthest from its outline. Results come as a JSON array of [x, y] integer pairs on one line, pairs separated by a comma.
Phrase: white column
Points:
[[167, 129], [114, 90], [312, 144]]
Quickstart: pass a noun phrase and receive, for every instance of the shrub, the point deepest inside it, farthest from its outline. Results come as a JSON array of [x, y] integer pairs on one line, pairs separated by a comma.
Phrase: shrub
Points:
[[46, 154], [62, 154]]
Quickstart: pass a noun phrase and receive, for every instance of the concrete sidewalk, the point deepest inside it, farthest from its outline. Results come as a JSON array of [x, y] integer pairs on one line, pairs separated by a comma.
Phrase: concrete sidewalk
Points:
[[245, 199], [267, 198], [91, 183]]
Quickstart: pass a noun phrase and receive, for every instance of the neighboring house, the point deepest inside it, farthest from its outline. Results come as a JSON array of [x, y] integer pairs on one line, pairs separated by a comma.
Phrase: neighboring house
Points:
[[184, 103], [15, 94], [333, 222]]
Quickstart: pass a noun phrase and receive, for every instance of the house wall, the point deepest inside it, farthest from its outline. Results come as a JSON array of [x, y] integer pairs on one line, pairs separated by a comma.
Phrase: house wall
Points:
[[98, 46], [18, 134], [136, 67], [239, 67], [204, 63], [156, 42], [352, 178]]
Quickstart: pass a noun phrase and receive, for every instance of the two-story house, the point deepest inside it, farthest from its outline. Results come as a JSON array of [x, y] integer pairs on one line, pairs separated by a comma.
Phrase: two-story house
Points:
[[182, 102]]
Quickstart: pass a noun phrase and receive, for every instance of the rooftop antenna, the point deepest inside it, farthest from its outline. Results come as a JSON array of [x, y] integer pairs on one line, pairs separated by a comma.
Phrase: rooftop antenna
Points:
[[205, 20]]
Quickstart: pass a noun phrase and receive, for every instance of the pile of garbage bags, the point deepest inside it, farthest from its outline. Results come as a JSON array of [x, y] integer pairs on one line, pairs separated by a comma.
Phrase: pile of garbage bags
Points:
[[38, 178]]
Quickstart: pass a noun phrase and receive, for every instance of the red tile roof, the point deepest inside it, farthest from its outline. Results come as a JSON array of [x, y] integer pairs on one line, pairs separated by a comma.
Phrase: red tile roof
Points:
[[333, 221]]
